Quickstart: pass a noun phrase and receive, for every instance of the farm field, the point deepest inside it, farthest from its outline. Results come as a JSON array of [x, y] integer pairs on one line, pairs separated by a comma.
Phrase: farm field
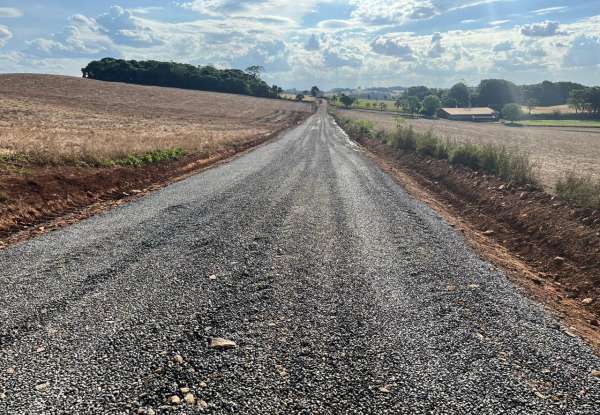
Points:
[[563, 109], [371, 104], [69, 142], [555, 151], [63, 119]]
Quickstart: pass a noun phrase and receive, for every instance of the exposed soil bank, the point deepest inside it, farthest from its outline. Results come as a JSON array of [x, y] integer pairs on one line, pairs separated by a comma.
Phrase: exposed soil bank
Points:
[[552, 248], [39, 199]]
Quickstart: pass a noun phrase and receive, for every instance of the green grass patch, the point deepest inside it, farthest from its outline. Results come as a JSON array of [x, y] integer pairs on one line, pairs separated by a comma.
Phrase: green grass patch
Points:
[[150, 157], [581, 190], [561, 123]]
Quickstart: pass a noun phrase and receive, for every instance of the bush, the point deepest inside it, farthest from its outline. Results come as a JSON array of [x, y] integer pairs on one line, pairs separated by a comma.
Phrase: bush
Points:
[[580, 190], [466, 155], [512, 112]]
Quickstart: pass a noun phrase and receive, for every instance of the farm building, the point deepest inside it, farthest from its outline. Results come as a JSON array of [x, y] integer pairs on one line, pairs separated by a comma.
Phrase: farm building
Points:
[[469, 114]]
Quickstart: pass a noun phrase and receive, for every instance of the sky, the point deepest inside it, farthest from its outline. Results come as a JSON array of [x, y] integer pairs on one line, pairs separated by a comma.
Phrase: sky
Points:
[[330, 43]]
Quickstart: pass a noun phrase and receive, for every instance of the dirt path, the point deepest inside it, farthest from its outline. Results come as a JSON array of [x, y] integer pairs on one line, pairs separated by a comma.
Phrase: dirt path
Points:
[[342, 293]]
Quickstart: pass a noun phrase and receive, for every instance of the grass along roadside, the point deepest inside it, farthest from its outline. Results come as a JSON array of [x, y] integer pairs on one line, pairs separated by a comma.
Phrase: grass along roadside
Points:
[[511, 165], [561, 123]]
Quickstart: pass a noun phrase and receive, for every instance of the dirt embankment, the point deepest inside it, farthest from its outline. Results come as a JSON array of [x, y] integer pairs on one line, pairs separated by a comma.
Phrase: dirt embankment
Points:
[[551, 248]]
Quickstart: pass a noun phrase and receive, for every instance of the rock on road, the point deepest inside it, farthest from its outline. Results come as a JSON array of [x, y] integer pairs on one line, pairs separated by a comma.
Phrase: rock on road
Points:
[[296, 279]]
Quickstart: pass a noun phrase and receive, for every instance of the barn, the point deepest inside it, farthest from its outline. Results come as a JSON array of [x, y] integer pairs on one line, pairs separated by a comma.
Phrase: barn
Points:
[[482, 114]]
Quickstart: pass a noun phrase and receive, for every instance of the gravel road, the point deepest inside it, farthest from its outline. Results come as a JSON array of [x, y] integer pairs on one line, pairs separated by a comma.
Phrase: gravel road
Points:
[[341, 292]]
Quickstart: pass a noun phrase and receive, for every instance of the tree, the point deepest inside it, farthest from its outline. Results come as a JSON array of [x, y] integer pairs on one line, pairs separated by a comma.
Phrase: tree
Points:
[[417, 91], [300, 97], [255, 70], [531, 104], [398, 104], [413, 105], [512, 112], [334, 98], [577, 100], [431, 105], [346, 100], [496, 93], [315, 91], [450, 103], [461, 94], [382, 106]]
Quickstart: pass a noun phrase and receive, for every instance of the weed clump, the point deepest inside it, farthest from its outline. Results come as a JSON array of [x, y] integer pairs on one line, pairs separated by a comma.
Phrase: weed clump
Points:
[[580, 190]]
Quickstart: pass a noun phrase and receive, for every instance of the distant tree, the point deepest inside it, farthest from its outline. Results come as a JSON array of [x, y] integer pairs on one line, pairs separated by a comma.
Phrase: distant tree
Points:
[[461, 94], [367, 104], [449, 103], [398, 104], [177, 75], [496, 93], [413, 105], [255, 70], [315, 91], [382, 106], [346, 100], [532, 103], [300, 97], [577, 100], [512, 112], [417, 91], [334, 98], [431, 105]]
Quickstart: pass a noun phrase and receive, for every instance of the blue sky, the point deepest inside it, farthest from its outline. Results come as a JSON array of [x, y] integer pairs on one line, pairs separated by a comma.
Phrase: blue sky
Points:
[[332, 43]]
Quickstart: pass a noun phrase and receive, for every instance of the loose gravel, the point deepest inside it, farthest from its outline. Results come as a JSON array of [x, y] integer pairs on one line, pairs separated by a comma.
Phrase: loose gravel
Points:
[[298, 279]]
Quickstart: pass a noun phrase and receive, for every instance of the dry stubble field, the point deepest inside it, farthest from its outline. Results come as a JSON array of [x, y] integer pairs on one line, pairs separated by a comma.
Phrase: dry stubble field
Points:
[[60, 138], [555, 151], [65, 118]]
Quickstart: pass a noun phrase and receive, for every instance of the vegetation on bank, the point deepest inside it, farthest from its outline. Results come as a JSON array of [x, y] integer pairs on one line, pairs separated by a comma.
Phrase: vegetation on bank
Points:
[[581, 190], [509, 164], [177, 75], [505, 163], [562, 123], [91, 160]]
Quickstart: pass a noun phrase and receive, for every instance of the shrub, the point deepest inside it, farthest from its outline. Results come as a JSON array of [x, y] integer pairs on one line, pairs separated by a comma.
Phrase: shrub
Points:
[[580, 190], [427, 144], [466, 155], [512, 112]]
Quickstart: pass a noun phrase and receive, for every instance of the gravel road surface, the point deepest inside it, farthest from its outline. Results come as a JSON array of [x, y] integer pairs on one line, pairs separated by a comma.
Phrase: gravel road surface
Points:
[[342, 294]]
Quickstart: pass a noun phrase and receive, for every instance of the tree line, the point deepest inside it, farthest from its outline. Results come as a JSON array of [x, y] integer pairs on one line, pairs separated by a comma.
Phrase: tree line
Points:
[[178, 75]]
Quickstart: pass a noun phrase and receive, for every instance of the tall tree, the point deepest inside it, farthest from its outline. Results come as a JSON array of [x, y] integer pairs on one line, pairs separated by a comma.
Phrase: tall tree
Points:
[[461, 94], [496, 93]]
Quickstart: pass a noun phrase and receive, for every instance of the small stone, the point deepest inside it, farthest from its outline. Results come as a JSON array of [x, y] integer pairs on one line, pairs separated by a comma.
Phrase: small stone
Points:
[[189, 398], [42, 387], [151, 411], [221, 344], [11, 370], [202, 404], [559, 260], [136, 191], [594, 322], [596, 373], [473, 286], [212, 277], [178, 359], [202, 385], [2, 396], [175, 400], [385, 388], [451, 287], [185, 390], [40, 349], [523, 196], [587, 301], [489, 232]]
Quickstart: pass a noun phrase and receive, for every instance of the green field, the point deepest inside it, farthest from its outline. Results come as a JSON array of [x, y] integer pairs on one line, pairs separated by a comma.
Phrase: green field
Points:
[[562, 123]]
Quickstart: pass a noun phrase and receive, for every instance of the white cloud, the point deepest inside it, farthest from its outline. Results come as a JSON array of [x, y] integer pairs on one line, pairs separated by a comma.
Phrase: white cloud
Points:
[[542, 29], [10, 12], [436, 49], [394, 45], [125, 29], [313, 43], [504, 46], [584, 51], [5, 35]]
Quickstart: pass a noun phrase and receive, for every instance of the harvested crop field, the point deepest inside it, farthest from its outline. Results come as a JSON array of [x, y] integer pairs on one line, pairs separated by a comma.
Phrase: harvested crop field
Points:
[[555, 150], [67, 142]]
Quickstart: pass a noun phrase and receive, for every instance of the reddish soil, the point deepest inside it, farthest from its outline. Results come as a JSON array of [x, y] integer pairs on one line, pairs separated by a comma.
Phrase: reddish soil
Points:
[[550, 248], [51, 197]]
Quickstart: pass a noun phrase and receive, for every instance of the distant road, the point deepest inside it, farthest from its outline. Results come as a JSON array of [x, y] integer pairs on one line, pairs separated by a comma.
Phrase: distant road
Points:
[[341, 292]]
